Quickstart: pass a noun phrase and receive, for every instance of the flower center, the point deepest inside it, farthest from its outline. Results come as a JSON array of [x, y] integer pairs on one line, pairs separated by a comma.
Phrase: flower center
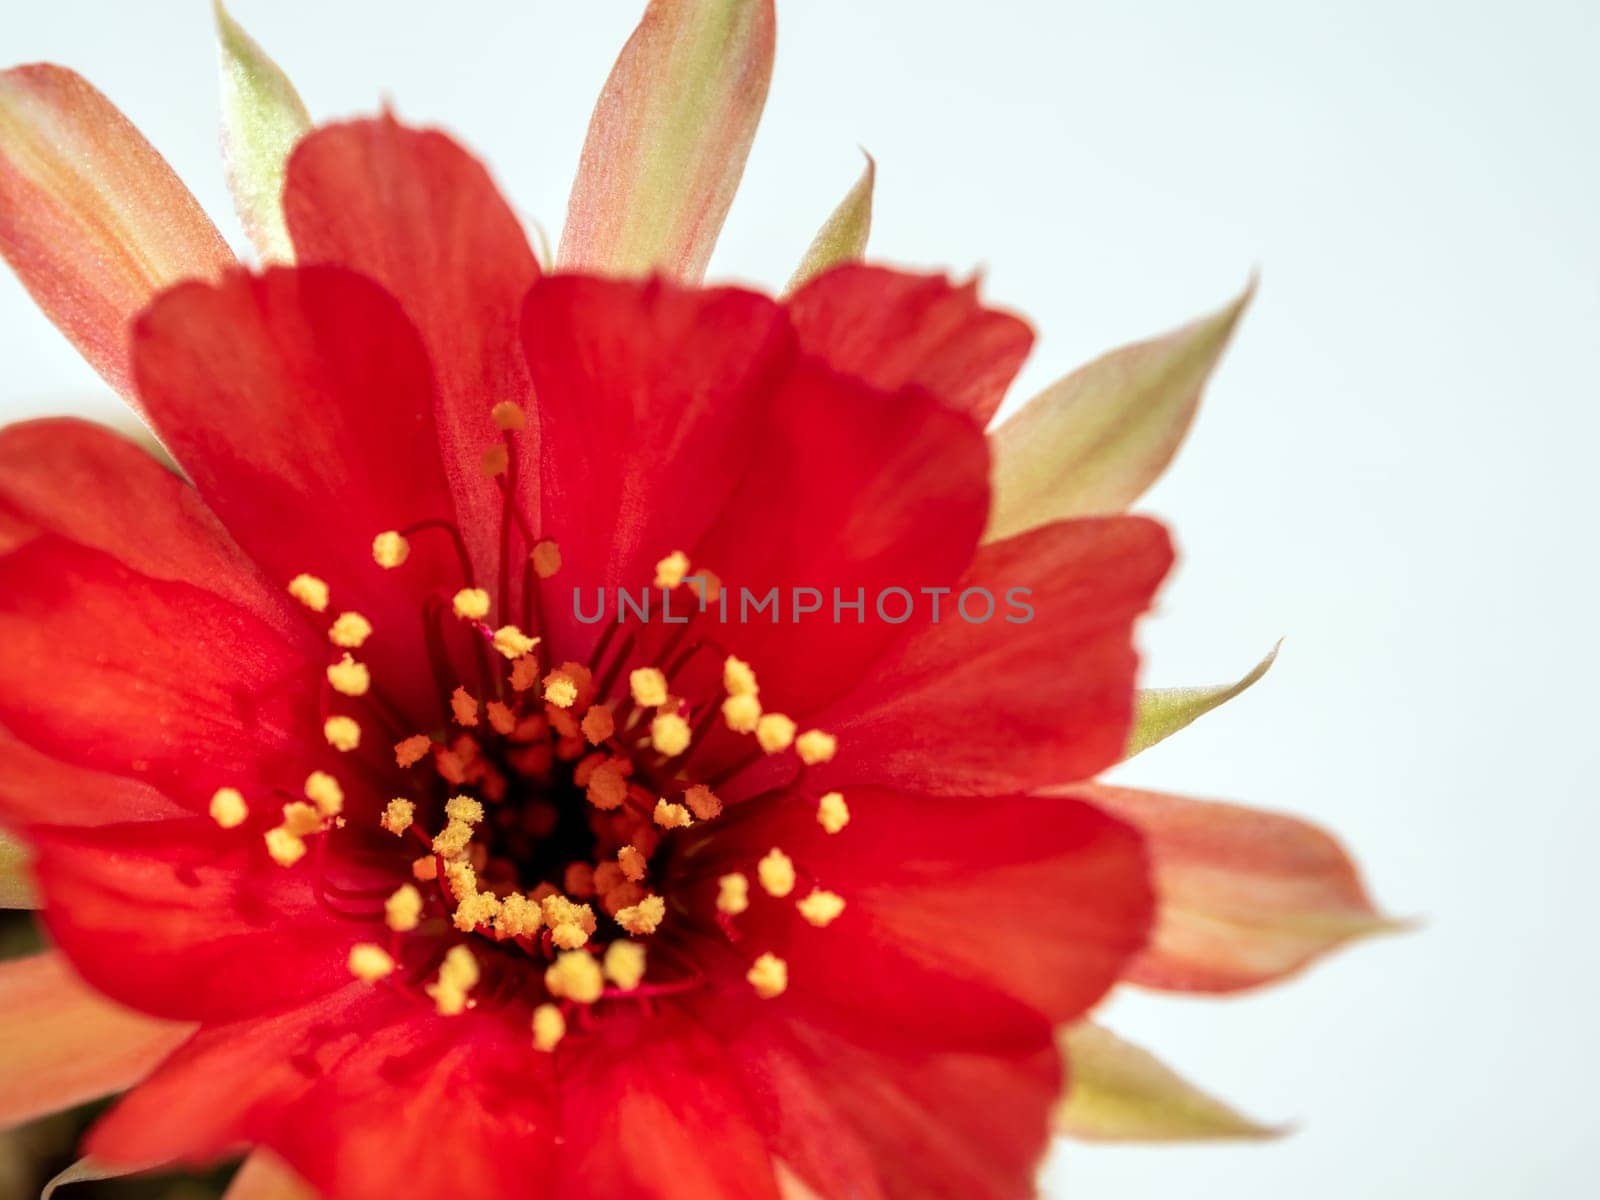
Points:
[[539, 813]]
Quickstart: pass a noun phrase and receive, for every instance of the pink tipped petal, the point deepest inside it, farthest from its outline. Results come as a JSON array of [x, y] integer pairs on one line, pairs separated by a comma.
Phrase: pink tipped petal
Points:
[[1117, 1092], [843, 236], [1158, 713], [92, 219], [16, 886], [264, 1177], [1094, 441], [262, 119], [1244, 897], [668, 139], [63, 1044]]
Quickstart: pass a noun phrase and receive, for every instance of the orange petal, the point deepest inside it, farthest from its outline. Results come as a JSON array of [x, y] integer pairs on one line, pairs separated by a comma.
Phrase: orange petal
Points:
[[668, 139], [1117, 1092], [1095, 440], [92, 219], [1244, 897], [264, 1177], [63, 1044], [16, 889]]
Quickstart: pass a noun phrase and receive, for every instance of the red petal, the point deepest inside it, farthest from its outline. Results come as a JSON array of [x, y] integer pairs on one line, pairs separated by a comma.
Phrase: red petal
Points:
[[650, 1107], [963, 707], [367, 1095], [413, 210], [650, 396], [971, 923], [63, 1043], [301, 403], [895, 329], [92, 219], [187, 921], [1245, 897]]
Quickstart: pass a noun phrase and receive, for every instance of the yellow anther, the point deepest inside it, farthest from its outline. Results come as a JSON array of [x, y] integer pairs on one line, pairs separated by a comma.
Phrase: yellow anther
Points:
[[776, 872], [495, 461], [402, 911], [702, 802], [669, 734], [738, 677], [769, 975], [370, 963], [643, 917], [458, 975], [228, 808], [632, 862], [349, 630], [742, 713], [343, 733], [568, 937], [733, 894], [324, 791], [301, 819], [598, 724], [513, 643], [833, 814], [821, 908], [671, 569], [774, 732], [452, 840], [349, 678], [501, 719], [412, 750], [425, 869], [706, 585], [463, 808], [546, 559], [518, 916], [560, 689], [475, 910], [398, 815], [464, 707], [624, 964], [390, 549], [607, 787], [672, 816], [575, 976], [283, 847], [813, 746], [470, 604], [549, 1027], [310, 591], [648, 687], [508, 416]]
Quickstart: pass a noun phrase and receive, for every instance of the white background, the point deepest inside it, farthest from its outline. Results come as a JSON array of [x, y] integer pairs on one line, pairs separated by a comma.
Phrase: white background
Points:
[[1395, 466]]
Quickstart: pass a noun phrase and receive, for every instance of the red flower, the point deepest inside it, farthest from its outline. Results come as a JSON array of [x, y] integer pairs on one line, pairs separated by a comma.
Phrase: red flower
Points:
[[456, 892]]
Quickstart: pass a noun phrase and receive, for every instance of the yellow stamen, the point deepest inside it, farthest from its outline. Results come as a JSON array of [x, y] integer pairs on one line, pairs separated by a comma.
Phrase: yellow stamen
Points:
[[412, 750], [549, 1027], [370, 963], [598, 724], [283, 847], [402, 912], [324, 791], [624, 964], [671, 569], [643, 917], [560, 689], [425, 869], [833, 814], [470, 604], [390, 549], [631, 860], [228, 808], [343, 733], [452, 840], [349, 678], [513, 643], [738, 677], [672, 816], [300, 818], [648, 687], [702, 802], [733, 894], [776, 872], [310, 591], [507, 416], [742, 713], [774, 732], [463, 808], [575, 976], [458, 974], [349, 630], [518, 916], [398, 815], [607, 788], [814, 746], [546, 559], [669, 734], [769, 975], [821, 908]]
